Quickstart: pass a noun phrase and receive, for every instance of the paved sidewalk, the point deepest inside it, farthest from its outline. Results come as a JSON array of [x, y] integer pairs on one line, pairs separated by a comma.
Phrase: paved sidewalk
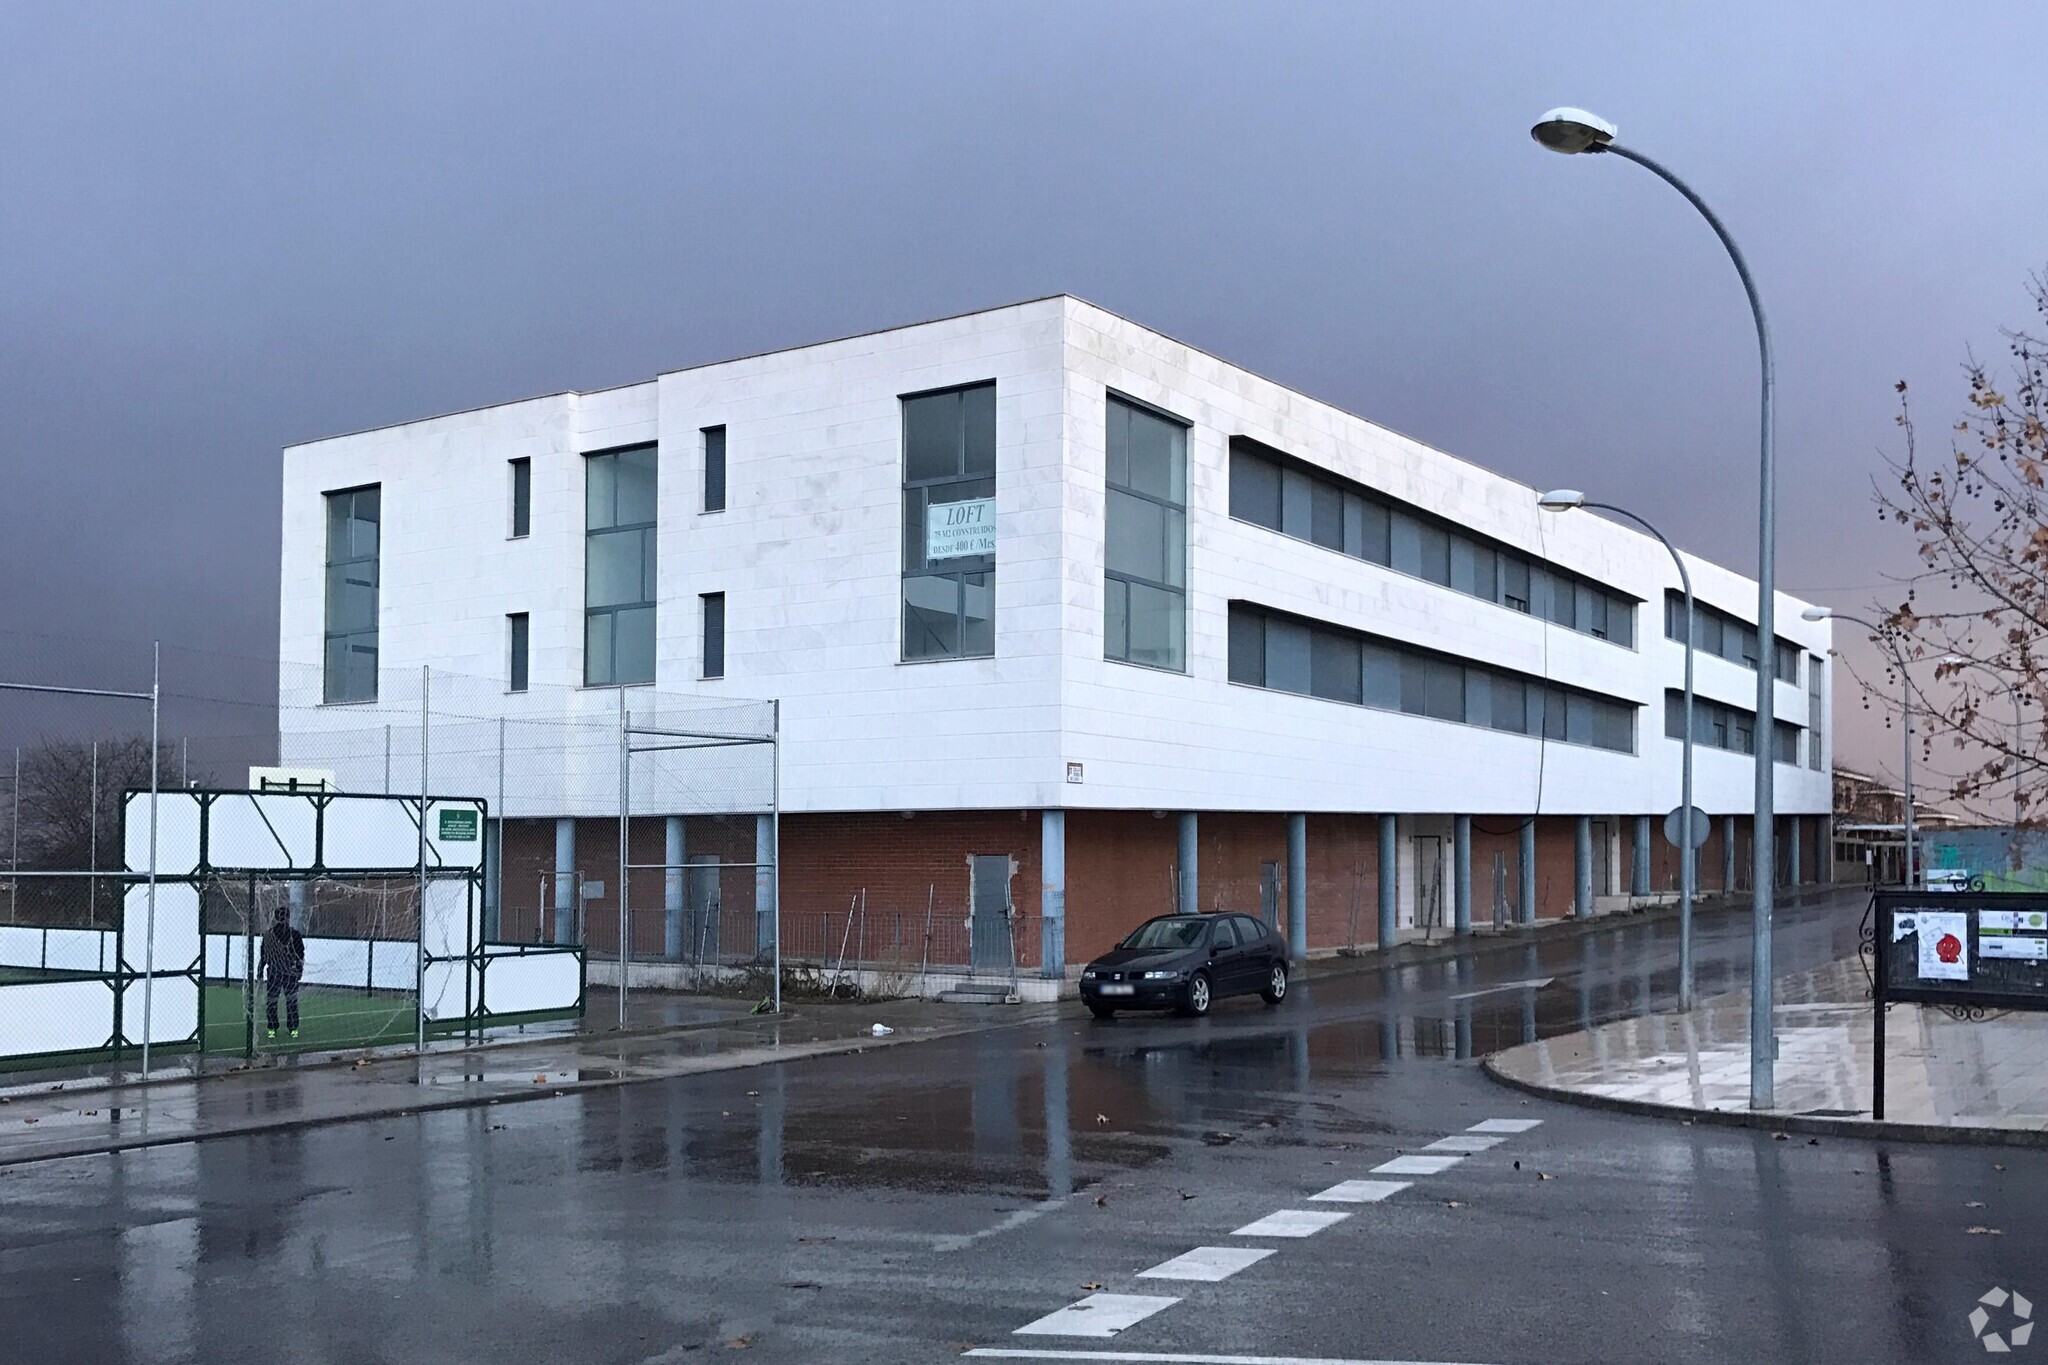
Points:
[[55, 1121], [1944, 1078]]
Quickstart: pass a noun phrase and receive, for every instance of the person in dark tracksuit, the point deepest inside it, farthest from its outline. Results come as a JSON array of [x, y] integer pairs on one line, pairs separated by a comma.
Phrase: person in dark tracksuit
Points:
[[283, 962]]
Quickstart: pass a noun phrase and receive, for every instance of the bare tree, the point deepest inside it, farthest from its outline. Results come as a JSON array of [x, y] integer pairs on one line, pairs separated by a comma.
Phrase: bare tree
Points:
[[63, 831], [1978, 603]]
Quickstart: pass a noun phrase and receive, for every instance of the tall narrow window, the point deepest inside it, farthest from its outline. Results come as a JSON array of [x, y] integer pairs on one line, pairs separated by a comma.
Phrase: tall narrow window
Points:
[[515, 650], [714, 634], [522, 497], [714, 469], [1816, 672], [949, 523], [618, 567], [353, 526], [1144, 610]]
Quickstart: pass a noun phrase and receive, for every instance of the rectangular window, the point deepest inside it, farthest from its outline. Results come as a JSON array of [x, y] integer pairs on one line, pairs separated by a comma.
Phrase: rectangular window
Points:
[[714, 469], [1144, 613], [1287, 654], [1718, 726], [515, 650], [618, 566], [1727, 637], [354, 527], [1254, 489], [1816, 675], [522, 497], [1275, 491], [1247, 647], [949, 523], [714, 633]]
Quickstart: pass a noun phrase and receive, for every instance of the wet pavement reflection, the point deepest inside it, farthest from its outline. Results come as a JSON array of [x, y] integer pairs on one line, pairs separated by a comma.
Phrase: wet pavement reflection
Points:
[[619, 1223]]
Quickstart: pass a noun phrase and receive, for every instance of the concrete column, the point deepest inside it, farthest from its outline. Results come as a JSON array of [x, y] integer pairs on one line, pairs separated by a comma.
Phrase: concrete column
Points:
[[565, 880], [1052, 909], [676, 856], [1461, 872], [1297, 887], [1390, 881], [1190, 882], [1639, 881], [1728, 853], [494, 893], [1798, 828], [1527, 883], [296, 892], [1582, 870], [766, 855]]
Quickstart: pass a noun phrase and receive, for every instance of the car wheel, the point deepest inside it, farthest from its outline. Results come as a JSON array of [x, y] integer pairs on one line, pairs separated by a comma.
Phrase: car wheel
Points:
[[1276, 984], [1103, 1011], [1198, 995]]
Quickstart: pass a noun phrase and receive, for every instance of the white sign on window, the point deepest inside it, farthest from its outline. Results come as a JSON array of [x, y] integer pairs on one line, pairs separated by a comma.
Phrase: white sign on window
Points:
[[956, 530]]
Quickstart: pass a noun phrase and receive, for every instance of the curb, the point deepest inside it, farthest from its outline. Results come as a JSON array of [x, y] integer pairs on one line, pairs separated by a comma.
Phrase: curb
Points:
[[734, 1061], [1811, 1124], [1352, 962]]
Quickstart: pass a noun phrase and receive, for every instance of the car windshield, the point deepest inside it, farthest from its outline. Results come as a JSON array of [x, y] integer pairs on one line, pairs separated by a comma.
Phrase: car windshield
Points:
[[1167, 933]]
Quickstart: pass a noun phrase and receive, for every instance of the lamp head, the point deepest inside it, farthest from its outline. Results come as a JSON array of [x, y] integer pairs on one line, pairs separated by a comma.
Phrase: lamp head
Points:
[[1573, 130], [1815, 614], [1561, 500]]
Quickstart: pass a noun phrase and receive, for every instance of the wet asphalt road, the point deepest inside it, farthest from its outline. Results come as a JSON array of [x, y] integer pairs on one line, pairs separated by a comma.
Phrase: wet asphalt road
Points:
[[914, 1202]]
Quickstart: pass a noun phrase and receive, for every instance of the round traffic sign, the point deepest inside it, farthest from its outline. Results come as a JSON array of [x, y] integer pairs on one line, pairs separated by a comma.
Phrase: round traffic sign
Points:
[[1702, 827]]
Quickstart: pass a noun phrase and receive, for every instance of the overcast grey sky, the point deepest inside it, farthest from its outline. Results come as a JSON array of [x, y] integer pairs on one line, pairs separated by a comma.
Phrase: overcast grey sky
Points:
[[230, 227]]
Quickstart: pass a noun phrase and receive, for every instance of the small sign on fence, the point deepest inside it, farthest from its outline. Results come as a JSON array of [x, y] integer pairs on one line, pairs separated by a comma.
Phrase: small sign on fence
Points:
[[458, 825]]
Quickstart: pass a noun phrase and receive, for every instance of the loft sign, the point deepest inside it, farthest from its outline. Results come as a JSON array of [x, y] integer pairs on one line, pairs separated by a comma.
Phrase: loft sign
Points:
[[958, 530]]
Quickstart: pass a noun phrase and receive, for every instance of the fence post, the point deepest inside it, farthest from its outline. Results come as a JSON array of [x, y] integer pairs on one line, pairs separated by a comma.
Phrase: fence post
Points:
[[419, 970]]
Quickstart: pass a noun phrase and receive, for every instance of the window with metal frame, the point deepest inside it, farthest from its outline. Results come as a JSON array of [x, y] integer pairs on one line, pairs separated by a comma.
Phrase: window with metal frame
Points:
[[1276, 491], [1287, 653], [949, 523], [1145, 537], [354, 527], [619, 490]]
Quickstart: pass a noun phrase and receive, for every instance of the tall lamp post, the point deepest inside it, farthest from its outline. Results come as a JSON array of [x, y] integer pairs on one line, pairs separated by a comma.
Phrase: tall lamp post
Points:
[[2019, 722], [1566, 500], [1905, 711], [1573, 131]]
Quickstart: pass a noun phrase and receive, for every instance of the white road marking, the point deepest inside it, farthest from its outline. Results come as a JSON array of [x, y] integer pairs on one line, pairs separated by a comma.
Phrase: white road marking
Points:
[[1465, 1142], [1534, 983], [1290, 1223], [1098, 1315], [1417, 1165], [1360, 1191], [1505, 1126], [1207, 1263], [1178, 1357]]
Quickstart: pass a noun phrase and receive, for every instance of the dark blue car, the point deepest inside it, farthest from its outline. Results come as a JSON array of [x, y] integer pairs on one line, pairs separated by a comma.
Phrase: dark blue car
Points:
[[1186, 963]]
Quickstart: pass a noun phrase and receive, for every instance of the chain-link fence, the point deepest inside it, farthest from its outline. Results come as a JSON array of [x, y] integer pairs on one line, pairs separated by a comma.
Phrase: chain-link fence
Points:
[[595, 806]]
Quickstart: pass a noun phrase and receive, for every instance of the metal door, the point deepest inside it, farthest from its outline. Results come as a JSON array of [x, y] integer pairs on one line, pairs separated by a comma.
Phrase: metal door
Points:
[[1429, 881], [700, 934], [990, 920], [1269, 894]]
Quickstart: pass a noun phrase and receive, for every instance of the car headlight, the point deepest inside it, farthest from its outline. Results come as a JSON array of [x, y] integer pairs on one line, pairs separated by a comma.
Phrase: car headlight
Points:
[[1162, 976], [1088, 975]]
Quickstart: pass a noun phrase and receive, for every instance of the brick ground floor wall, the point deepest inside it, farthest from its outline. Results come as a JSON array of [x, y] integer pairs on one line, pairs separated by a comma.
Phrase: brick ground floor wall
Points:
[[909, 882]]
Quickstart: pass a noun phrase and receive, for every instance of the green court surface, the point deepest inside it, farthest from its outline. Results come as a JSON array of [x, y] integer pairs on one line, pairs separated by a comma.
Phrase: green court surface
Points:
[[329, 1017]]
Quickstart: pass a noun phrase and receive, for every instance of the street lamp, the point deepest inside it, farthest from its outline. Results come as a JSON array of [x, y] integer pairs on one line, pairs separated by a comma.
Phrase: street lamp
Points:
[[1566, 500], [2019, 723], [1905, 709], [1571, 131]]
